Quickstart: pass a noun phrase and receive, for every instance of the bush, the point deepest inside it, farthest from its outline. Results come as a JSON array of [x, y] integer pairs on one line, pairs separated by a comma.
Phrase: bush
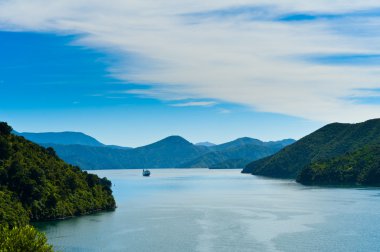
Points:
[[11, 211], [23, 239]]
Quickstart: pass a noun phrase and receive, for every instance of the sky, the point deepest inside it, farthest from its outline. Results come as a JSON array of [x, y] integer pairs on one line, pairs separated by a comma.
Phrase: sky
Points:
[[132, 72]]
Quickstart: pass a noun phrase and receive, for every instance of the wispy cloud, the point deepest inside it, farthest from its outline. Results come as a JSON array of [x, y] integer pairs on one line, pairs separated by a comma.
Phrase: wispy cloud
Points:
[[246, 52], [225, 111], [195, 104]]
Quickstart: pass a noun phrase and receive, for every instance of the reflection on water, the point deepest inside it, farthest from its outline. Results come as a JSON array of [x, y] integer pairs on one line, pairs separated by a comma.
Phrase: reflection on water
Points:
[[222, 210]]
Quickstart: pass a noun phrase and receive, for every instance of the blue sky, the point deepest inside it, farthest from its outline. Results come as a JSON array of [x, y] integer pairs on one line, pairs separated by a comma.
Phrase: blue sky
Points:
[[132, 73]]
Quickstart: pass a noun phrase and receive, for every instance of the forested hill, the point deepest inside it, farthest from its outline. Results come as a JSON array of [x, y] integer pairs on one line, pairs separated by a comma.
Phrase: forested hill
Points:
[[361, 167], [43, 185], [329, 142]]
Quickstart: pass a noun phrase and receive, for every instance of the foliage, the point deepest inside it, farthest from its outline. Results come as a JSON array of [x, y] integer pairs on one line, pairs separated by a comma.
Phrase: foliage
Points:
[[23, 239], [328, 142], [46, 186], [5, 129], [360, 167], [36, 185], [12, 213]]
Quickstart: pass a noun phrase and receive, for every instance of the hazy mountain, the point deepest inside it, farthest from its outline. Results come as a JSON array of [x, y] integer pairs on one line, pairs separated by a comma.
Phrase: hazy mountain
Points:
[[174, 151], [237, 143], [247, 141], [91, 157], [241, 151], [329, 142], [207, 144], [231, 164], [118, 147], [166, 153], [65, 138]]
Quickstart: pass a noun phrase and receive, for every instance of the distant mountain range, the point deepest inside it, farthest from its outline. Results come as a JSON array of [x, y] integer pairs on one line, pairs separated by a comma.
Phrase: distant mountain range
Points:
[[207, 144], [64, 138], [237, 153], [335, 154], [67, 137], [172, 152]]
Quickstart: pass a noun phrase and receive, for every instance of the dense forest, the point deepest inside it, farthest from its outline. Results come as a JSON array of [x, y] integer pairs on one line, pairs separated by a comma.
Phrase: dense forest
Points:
[[361, 167], [329, 142], [37, 185]]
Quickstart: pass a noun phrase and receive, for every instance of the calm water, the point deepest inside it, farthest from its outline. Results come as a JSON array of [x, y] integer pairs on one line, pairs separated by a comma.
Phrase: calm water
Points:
[[222, 210]]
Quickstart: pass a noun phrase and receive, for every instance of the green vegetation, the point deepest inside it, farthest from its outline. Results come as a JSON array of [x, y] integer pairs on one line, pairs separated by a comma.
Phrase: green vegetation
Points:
[[46, 186], [23, 239], [329, 142], [361, 167], [12, 213], [37, 185]]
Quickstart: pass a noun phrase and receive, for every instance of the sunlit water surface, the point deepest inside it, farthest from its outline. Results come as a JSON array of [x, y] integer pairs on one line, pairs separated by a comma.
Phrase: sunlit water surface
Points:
[[222, 210]]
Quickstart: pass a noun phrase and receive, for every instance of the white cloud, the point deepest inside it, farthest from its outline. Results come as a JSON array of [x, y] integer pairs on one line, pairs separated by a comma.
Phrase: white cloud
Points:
[[233, 59], [195, 104]]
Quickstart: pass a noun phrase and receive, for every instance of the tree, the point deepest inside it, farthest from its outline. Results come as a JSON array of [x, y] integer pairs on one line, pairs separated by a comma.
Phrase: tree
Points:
[[26, 239], [11, 211], [4, 148], [51, 152], [5, 129]]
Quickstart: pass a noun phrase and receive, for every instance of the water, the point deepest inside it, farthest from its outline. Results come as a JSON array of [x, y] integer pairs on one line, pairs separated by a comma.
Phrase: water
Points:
[[222, 210]]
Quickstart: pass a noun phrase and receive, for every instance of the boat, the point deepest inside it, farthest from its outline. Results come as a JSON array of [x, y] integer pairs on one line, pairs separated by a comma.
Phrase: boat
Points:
[[146, 173]]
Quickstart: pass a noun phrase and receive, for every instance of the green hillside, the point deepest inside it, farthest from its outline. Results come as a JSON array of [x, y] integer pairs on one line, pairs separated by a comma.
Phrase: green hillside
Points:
[[361, 167], [235, 154], [44, 185], [328, 142]]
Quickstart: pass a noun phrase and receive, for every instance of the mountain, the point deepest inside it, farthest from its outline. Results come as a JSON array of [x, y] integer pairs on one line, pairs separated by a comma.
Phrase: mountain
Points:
[[174, 151], [330, 141], [238, 153], [166, 153], [237, 143], [65, 138], [361, 167], [247, 141], [231, 164], [44, 186], [91, 157], [207, 144]]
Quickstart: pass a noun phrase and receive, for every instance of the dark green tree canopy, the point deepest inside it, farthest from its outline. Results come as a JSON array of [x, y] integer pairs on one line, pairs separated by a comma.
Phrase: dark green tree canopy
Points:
[[44, 185], [5, 129]]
